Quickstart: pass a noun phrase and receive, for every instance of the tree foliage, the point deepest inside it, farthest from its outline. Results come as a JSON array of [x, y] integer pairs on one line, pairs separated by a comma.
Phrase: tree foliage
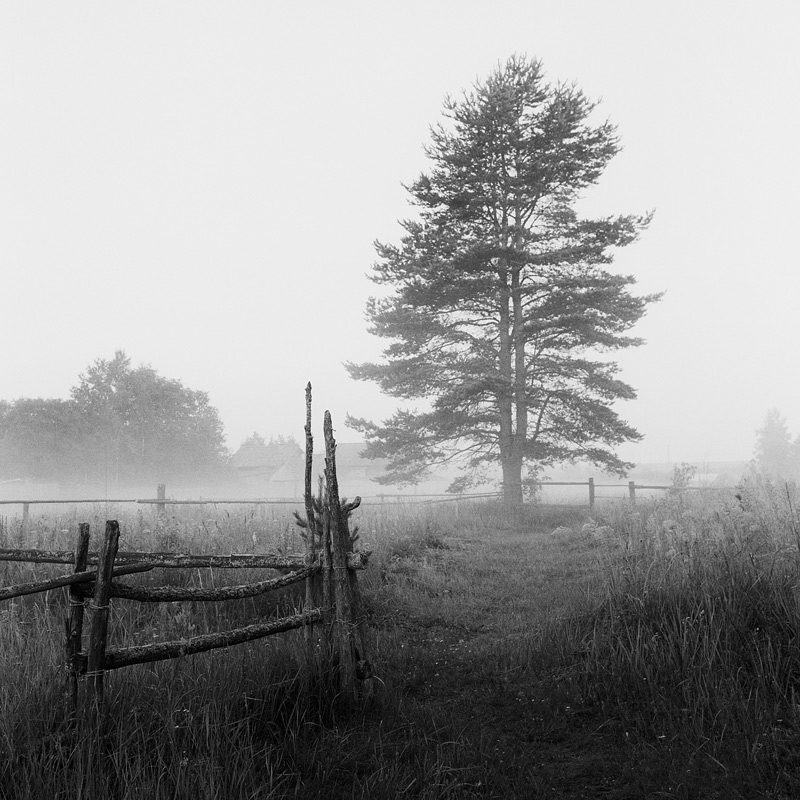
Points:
[[498, 294], [123, 423], [775, 453], [40, 439]]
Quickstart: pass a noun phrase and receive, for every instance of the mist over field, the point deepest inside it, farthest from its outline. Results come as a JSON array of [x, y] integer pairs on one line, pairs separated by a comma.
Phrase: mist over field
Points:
[[537, 261], [201, 187]]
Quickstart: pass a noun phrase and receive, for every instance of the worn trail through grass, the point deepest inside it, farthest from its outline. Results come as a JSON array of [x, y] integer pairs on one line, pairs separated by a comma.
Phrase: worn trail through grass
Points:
[[479, 619]]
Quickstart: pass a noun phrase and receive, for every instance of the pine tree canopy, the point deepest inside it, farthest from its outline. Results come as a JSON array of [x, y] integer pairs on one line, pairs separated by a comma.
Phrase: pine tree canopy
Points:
[[497, 300]]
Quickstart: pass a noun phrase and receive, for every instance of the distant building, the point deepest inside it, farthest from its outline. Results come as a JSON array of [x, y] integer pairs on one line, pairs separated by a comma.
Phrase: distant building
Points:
[[277, 470], [355, 473], [273, 469]]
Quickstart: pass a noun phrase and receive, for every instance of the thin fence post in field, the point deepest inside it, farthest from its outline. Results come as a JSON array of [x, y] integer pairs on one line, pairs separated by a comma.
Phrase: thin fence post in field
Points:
[[98, 634], [75, 620], [632, 491], [311, 531], [26, 511], [591, 493], [161, 494], [326, 602]]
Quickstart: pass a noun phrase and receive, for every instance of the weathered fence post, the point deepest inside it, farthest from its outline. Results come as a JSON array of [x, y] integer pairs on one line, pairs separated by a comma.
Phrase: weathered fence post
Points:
[[591, 493], [348, 639], [161, 494], [98, 634], [311, 531], [26, 510], [632, 491], [75, 619]]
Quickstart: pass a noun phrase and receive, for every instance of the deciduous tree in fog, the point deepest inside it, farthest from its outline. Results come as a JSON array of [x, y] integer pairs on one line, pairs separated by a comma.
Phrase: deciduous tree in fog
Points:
[[148, 426], [40, 439], [123, 424], [498, 292]]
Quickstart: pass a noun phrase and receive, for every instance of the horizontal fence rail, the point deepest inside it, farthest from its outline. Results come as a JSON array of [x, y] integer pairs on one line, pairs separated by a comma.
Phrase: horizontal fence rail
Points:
[[169, 594], [384, 498], [177, 560], [66, 580], [161, 651]]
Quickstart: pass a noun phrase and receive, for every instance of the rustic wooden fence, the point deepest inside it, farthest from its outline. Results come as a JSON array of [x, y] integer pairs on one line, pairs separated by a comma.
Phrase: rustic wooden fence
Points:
[[328, 567], [160, 502]]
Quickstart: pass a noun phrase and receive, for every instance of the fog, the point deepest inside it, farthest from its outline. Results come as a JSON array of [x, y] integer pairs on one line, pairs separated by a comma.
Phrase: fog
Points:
[[200, 184]]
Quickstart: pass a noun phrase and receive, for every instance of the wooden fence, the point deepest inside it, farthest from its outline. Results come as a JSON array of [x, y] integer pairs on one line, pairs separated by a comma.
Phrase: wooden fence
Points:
[[328, 568], [161, 502]]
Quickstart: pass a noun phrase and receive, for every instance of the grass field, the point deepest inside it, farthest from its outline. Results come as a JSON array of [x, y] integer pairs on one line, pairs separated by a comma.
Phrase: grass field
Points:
[[648, 652]]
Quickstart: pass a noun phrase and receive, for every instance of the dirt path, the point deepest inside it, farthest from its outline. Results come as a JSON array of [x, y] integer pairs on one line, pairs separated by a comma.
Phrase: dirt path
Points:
[[475, 616]]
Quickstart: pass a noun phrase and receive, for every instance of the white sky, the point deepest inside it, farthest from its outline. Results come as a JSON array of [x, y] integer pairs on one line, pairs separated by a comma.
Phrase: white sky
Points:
[[200, 184]]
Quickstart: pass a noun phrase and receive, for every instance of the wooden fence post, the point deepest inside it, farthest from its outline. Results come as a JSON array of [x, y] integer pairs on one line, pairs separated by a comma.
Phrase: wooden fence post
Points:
[[632, 491], [161, 494], [98, 635], [591, 493], [312, 581], [350, 650], [75, 619], [26, 510]]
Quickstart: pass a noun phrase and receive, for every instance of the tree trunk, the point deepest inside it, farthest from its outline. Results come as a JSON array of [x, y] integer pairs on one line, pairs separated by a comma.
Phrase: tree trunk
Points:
[[512, 480], [512, 403], [505, 399], [520, 382]]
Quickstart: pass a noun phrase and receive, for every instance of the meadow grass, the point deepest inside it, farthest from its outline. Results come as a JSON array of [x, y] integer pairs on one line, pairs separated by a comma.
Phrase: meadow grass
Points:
[[646, 651]]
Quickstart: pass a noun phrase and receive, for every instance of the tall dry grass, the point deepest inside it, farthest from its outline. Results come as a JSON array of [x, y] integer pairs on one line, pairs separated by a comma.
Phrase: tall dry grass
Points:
[[695, 641], [663, 636]]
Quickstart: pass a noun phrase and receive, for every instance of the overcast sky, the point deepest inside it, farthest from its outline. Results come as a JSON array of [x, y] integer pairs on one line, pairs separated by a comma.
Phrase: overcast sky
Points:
[[200, 185]]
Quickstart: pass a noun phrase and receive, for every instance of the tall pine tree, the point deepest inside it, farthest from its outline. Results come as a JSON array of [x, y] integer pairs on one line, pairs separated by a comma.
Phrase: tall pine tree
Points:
[[499, 294], [775, 452]]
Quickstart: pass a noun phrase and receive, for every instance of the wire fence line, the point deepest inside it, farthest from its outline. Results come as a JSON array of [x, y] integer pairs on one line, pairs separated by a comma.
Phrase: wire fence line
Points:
[[161, 501]]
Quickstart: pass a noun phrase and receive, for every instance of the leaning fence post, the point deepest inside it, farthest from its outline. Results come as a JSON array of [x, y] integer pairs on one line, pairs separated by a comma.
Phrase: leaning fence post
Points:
[[98, 635], [591, 492], [75, 619], [632, 491]]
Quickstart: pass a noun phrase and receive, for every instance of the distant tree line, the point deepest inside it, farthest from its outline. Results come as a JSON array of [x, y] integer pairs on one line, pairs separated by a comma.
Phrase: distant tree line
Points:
[[777, 454], [122, 425]]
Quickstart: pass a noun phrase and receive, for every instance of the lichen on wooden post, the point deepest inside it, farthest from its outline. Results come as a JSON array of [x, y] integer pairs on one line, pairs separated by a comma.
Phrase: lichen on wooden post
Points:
[[98, 634], [352, 660], [74, 622]]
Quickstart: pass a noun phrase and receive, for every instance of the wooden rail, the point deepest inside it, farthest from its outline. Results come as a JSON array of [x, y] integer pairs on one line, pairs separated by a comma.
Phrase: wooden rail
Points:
[[368, 500]]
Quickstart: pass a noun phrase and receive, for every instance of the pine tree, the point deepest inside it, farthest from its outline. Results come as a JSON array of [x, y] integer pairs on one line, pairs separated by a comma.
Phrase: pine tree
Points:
[[774, 449], [499, 293]]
